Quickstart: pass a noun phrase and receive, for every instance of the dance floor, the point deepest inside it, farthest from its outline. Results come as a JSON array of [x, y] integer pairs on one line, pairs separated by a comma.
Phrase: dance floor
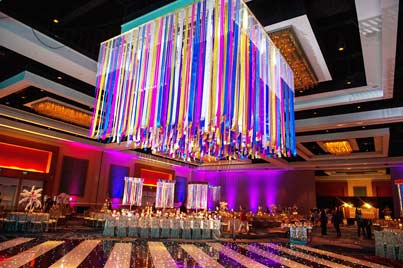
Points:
[[30, 252]]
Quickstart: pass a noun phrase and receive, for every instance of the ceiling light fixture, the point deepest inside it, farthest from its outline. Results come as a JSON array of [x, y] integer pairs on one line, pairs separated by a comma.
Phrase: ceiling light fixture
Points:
[[338, 147], [62, 112], [348, 83], [287, 41], [55, 21], [340, 49], [59, 78]]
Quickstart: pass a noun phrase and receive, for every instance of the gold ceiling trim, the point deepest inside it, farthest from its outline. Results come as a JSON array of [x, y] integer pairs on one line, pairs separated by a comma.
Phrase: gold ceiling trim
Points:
[[338, 147], [287, 41]]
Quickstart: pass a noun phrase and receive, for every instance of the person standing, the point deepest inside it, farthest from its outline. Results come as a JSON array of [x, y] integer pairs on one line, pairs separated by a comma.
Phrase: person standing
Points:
[[337, 218], [323, 222], [360, 223], [244, 221]]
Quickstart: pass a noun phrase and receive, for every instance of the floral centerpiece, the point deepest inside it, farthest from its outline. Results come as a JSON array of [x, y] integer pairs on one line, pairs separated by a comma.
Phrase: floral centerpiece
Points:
[[32, 198]]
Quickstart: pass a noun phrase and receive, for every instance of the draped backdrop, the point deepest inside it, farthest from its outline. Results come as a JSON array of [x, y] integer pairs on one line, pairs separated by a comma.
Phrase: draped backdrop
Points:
[[202, 82]]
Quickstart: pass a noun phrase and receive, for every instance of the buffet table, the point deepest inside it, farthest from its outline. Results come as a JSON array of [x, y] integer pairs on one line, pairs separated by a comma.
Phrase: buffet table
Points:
[[156, 227]]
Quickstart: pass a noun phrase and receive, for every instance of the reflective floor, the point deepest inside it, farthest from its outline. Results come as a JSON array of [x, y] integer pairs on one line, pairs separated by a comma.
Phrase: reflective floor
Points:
[[20, 252]]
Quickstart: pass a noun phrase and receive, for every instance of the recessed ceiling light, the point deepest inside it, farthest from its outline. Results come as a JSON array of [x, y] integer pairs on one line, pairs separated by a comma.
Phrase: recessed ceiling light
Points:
[[55, 21], [42, 90], [23, 97], [7, 103], [348, 82], [314, 112], [358, 107], [340, 49], [363, 127], [327, 130], [301, 91], [59, 77]]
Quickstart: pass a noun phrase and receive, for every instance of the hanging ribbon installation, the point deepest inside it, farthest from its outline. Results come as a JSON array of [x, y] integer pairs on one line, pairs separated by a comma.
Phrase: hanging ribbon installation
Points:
[[133, 191], [202, 82]]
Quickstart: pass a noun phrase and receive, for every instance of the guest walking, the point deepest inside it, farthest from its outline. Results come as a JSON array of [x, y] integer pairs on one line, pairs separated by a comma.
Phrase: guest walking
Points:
[[337, 218], [323, 222]]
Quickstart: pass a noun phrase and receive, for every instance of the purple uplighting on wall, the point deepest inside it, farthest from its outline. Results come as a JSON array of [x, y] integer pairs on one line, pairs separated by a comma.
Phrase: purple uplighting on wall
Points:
[[231, 195], [254, 188], [258, 187], [116, 202]]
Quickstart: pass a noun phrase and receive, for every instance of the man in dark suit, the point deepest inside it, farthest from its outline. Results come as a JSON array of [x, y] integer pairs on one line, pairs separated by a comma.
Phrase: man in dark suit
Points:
[[337, 219]]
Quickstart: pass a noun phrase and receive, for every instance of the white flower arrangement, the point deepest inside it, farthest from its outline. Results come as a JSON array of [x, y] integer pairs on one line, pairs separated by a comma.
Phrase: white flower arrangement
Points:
[[32, 198]]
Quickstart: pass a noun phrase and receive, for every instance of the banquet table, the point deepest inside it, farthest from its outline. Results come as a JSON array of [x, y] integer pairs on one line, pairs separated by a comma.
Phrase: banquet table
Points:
[[389, 243], [26, 222], [156, 227], [96, 219]]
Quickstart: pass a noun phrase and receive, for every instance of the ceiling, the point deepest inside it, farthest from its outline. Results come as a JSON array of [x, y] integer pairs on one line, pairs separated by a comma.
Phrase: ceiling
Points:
[[360, 97]]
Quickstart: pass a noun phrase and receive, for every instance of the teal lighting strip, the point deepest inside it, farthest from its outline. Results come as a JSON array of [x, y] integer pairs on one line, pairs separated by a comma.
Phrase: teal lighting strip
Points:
[[178, 4]]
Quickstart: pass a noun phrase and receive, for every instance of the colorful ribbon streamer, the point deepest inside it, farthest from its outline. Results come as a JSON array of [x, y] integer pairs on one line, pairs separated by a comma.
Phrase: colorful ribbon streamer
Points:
[[214, 196], [197, 196], [133, 191], [165, 194], [205, 81]]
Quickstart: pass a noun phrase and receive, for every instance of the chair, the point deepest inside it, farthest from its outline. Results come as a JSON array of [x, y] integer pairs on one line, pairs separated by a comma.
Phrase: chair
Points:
[[36, 222], [100, 220], [196, 229], [175, 228], [22, 222], [216, 229], [10, 223], [389, 244], [155, 227], [122, 226], [379, 251], [109, 228], [2, 219], [144, 223], [165, 228], [53, 218], [206, 230], [45, 218], [133, 224], [187, 229]]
